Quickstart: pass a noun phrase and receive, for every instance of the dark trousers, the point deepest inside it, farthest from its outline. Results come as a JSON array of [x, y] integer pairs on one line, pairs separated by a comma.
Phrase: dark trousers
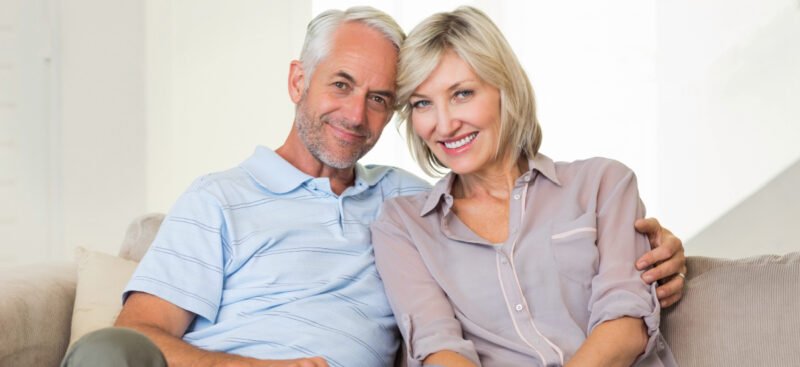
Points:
[[114, 347]]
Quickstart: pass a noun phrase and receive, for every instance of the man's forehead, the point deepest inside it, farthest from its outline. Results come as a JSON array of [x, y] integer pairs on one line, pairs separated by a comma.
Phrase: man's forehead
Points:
[[360, 68]]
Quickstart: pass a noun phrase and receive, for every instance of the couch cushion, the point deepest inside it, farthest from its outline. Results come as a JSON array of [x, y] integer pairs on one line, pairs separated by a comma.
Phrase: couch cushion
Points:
[[737, 313], [101, 280], [140, 235]]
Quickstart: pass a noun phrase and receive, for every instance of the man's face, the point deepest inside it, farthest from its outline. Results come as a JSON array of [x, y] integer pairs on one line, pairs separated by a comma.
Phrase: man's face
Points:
[[349, 100]]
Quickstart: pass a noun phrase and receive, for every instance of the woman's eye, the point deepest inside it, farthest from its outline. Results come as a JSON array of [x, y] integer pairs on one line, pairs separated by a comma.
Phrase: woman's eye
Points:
[[462, 94], [420, 104]]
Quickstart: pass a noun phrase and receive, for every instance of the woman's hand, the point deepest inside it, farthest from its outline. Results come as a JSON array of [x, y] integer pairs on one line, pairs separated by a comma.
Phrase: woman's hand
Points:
[[668, 257]]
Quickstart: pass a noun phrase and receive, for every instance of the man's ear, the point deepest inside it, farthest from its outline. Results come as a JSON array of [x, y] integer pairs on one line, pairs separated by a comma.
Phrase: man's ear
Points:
[[297, 81]]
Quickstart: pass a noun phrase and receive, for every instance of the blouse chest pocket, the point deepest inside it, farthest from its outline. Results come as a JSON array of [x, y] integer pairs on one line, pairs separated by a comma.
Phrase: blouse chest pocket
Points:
[[574, 246]]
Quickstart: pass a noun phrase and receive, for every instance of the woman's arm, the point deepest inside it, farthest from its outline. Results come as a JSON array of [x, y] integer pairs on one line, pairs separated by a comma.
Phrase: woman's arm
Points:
[[447, 358], [612, 343], [424, 313], [624, 318]]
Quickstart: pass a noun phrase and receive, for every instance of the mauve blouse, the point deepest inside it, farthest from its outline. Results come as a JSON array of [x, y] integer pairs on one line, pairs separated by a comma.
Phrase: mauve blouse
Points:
[[566, 267]]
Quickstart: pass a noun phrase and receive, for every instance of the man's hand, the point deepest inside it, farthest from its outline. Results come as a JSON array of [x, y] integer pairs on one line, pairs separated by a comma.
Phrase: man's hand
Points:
[[669, 260]]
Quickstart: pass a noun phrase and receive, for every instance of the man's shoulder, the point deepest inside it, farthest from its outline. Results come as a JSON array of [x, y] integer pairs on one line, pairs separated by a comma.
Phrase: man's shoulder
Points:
[[396, 181], [222, 184]]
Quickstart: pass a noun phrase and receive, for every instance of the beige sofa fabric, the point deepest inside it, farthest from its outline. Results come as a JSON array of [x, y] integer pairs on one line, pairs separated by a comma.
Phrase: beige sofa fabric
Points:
[[737, 313], [139, 235], [35, 313], [734, 313], [37, 302], [101, 280]]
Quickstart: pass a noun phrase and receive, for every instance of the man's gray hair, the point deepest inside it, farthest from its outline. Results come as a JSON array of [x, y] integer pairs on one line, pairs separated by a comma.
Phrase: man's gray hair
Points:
[[320, 31]]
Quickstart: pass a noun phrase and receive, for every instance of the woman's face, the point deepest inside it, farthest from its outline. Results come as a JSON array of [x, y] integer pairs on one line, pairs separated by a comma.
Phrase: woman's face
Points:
[[457, 114]]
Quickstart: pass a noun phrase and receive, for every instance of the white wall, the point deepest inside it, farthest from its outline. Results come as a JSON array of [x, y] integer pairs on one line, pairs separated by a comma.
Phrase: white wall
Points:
[[764, 223], [216, 85], [101, 116], [698, 98], [26, 202], [729, 117]]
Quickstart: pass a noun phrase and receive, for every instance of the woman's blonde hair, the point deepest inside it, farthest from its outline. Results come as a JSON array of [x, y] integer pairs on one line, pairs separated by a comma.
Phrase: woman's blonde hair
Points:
[[475, 39]]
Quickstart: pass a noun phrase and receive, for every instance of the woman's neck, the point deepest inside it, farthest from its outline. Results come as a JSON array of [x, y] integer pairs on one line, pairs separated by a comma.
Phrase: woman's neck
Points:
[[496, 181]]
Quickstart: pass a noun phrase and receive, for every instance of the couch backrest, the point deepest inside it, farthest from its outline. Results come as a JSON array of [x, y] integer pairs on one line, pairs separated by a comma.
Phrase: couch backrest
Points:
[[140, 235], [742, 312]]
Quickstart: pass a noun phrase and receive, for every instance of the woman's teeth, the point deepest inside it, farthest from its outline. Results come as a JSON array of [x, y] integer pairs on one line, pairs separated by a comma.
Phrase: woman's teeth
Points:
[[460, 143]]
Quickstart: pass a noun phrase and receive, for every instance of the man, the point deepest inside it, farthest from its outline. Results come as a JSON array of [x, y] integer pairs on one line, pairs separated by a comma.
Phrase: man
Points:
[[270, 263]]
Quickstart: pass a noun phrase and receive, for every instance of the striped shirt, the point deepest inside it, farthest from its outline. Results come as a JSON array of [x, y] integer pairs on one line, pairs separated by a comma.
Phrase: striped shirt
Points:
[[566, 267], [277, 266]]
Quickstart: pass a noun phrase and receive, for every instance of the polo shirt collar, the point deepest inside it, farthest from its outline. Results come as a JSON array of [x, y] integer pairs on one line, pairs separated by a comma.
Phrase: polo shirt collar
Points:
[[370, 175], [273, 172], [441, 191], [277, 175]]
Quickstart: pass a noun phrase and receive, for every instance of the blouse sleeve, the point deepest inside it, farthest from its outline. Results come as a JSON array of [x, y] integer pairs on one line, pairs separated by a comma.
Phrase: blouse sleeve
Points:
[[423, 312], [617, 289]]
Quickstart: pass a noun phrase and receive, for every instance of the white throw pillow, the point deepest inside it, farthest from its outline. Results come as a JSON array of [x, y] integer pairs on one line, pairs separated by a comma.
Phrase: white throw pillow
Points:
[[98, 295]]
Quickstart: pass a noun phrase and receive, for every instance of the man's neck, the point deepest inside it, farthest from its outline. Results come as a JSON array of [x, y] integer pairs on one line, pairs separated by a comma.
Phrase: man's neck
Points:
[[295, 152]]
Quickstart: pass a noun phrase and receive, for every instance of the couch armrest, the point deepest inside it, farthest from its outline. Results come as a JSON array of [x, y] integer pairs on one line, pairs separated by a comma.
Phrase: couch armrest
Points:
[[35, 313]]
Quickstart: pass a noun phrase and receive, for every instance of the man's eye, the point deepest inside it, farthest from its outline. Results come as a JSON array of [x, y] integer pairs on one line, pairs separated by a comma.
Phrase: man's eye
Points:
[[420, 104], [340, 85], [379, 99]]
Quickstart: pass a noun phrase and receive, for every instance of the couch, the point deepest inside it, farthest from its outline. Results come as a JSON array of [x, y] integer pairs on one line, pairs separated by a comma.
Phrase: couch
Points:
[[742, 312]]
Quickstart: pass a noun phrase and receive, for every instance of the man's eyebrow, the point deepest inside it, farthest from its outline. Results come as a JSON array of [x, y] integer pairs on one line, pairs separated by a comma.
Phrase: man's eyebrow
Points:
[[385, 93], [345, 75], [349, 78]]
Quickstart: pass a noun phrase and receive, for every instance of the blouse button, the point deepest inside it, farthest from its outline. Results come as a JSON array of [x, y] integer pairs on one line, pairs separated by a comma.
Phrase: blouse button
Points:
[[518, 307]]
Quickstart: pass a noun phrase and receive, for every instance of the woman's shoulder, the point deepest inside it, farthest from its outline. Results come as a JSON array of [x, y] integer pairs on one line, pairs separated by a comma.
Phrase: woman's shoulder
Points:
[[405, 206], [595, 167]]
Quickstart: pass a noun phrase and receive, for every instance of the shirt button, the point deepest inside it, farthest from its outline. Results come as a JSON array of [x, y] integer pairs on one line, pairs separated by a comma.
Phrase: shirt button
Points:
[[527, 178], [518, 307], [504, 261], [516, 197]]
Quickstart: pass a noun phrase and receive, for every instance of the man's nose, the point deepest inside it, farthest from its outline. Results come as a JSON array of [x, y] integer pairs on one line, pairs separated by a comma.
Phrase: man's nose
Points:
[[355, 109]]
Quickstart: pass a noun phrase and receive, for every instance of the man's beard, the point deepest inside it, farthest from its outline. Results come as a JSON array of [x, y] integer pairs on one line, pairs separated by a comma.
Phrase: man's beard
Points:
[[312, 134]]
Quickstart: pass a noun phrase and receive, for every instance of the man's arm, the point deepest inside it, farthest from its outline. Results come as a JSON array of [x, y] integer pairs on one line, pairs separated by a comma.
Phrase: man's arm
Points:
[[668, 257], [612, 343], [164, 323]]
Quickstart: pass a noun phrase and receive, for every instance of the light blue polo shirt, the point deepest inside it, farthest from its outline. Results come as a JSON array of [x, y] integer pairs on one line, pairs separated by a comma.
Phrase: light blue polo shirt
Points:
[[277, 266]]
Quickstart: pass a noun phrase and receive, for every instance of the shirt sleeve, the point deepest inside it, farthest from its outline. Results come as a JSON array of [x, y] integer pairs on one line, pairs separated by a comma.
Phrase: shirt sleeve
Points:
[[184, 264], [424, 314], [617, 289]]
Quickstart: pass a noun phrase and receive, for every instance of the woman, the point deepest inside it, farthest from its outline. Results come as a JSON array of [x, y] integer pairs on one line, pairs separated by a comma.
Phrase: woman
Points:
[[511, 259]]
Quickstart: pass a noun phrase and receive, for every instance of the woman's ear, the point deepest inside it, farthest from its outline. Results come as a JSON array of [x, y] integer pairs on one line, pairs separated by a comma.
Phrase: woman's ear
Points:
[[297, 81]]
